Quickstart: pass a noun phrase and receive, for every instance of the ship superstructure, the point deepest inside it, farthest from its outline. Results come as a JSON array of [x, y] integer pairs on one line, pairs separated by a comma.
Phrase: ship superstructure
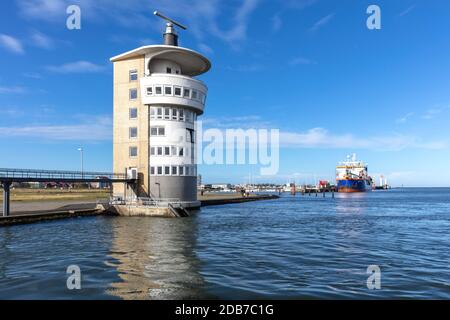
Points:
[[352, 176]]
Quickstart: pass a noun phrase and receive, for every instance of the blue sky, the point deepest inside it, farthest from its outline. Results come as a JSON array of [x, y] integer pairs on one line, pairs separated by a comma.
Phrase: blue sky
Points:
[[310, 68]]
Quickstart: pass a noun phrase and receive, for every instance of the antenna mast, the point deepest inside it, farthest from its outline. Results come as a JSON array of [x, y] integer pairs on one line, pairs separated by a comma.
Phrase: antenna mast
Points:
[[170, 35]]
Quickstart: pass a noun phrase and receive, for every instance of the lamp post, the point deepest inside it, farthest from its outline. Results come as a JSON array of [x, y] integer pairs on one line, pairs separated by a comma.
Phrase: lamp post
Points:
[[82, 165]]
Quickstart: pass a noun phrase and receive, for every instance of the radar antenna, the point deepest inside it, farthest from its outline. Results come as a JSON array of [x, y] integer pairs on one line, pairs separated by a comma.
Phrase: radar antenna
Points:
[[170, 35]]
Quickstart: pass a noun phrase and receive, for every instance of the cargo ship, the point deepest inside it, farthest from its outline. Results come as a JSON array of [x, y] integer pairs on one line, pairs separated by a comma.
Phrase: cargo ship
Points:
[[352, 176]]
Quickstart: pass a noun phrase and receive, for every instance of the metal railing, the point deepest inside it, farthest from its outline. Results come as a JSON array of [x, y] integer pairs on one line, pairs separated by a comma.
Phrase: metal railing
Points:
[[142, 201], [60, 175]]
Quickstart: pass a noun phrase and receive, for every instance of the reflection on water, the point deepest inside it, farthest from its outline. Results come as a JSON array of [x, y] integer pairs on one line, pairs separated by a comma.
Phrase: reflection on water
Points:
[[155, 259]]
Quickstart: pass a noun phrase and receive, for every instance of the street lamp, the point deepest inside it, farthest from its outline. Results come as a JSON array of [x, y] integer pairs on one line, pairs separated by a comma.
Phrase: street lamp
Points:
[[81, 154]]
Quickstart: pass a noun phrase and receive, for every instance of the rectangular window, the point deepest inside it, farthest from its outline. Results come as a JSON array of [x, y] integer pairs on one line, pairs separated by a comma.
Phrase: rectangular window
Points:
[[190, 135], [174, 114], [133, 94], [181, 170], [133, 113], [174, 170], [159, 171], [133, 132], [173, 151], [167, 113], [152, 170], [159, 113], [186, 93], [181, 152], [167, 170], [167, 151], [160, 150], [133, 151], [152, 151], [152, 113], [168, 70], [187, 170], [194, 94], [177, 91], [158, 90], [181, 115], [157, 131], [149, 91], [168, 90], [133, 75]]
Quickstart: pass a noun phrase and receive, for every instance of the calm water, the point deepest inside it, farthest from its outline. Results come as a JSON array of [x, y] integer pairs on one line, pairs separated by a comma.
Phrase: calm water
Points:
[[294, 247]]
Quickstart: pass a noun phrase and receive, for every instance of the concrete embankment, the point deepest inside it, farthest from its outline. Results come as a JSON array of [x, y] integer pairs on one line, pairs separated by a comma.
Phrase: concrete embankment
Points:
[[215, 201], [54, 215], [90, 209]]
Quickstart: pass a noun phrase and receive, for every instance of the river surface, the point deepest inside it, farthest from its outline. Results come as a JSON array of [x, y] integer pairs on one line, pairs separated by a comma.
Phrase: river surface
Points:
[[293, 247]]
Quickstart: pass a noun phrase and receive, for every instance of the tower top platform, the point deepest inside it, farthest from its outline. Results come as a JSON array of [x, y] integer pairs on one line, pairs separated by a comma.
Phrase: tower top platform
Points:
[[191, 62]]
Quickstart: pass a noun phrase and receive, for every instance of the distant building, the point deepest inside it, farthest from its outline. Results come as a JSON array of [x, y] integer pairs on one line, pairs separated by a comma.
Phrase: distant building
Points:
[[100, 184], [223, 186]]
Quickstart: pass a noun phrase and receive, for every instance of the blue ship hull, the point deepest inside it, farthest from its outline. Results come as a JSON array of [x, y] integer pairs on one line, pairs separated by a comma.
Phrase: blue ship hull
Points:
[[353, 185]]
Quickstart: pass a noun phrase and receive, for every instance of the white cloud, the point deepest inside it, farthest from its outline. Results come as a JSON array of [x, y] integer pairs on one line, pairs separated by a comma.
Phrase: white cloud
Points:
[[322, 22], [11, 112], [407, 10], [41, 40], [77, 67], [434, 112], [300, 60], [205, 48], [97, 129], [43, 9], [11, 44], [298, 4], [254, 67], [405, 118], [32, 75], [201, 17], [277, 23], [288, 5], [13, 89], [322, 138]]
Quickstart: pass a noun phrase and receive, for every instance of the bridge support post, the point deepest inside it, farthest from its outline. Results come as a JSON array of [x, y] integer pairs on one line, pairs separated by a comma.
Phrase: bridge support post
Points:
[[6, 198]]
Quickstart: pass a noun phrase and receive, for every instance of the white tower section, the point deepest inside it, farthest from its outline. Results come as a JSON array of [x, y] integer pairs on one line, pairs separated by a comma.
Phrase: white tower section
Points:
[[174, 99]]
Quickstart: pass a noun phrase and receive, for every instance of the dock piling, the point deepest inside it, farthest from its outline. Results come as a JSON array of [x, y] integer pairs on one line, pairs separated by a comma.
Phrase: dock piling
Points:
[[6, 198]]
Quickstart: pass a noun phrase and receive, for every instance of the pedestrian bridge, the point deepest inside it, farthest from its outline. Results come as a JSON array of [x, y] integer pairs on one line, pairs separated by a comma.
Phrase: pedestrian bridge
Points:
[[9, 176]]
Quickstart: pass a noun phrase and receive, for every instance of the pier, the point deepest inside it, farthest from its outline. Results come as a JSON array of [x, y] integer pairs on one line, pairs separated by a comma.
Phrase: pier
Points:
[[104, 208]]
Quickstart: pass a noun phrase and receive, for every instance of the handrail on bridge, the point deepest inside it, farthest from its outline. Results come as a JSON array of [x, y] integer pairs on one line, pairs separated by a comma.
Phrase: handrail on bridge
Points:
[[59, 174]]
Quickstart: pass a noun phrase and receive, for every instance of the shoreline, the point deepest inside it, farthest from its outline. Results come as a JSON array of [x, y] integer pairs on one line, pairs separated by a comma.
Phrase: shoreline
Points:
[[93, 209]]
